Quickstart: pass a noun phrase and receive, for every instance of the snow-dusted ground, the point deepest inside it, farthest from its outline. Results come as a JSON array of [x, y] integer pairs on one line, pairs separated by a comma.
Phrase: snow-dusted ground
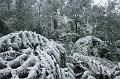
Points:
[[27, 55]]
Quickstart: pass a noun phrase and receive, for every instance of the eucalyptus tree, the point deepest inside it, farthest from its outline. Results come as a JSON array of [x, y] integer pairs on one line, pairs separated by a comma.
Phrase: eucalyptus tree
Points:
[[77, 11], [24, 14], [47, 17], [107, 21], [6, 16], [5, 9]]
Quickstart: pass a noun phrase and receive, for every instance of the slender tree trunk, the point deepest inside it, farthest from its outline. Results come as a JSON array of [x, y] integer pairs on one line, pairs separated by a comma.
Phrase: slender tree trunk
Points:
[[55, 24], [39, 28], [76, 26], [62, 60], [55, 21], [8, 7]]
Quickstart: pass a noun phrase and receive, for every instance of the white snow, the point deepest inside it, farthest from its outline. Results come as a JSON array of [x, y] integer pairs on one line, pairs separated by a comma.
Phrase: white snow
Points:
[[89, 45], [29, 55]]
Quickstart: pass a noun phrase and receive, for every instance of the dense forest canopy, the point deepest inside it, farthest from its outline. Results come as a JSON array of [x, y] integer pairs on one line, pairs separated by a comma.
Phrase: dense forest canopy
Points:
[[52, 18]]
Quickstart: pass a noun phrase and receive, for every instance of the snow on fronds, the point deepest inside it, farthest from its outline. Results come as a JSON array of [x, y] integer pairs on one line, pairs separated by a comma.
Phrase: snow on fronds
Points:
[[118, 77], [89, 60], [28, 55], [94, 66], [91, 77], [90, 45], [97, 67], [69, 34], [117, 43]]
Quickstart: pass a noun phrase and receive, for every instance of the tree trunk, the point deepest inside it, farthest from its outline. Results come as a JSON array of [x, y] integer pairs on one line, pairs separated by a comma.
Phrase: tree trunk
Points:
[[62, 60], [76, 29], [55, 22]]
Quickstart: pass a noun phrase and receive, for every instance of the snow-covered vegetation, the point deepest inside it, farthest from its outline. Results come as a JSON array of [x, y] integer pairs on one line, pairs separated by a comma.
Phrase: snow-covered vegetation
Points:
[[91, 57], [90, 45], [29, 55], [59, 39]]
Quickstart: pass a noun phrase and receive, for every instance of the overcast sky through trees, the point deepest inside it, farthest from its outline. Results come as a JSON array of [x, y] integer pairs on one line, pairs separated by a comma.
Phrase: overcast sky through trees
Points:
[[100, 2]]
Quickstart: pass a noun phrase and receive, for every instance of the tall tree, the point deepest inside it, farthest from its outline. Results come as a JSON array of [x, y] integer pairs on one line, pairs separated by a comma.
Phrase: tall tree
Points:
[[24, 14], [77, 11], [107, 20]]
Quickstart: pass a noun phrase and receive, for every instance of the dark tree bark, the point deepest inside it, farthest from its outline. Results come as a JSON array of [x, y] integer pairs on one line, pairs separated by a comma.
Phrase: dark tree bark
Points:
[[3, 28], [55, 22], [62, 60]]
